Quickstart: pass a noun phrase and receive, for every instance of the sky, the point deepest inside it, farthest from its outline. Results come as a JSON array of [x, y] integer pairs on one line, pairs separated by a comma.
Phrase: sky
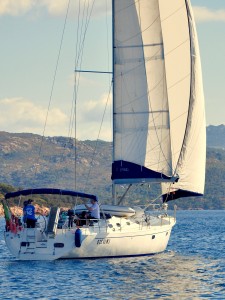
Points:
[[36, 83]]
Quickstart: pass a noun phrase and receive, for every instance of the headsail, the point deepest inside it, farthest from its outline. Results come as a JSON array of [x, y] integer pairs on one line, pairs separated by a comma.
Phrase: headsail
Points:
[[142, 149], [188, 128]]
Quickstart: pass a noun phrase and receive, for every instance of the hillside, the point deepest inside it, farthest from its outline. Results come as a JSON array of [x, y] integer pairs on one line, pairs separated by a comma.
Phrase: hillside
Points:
[[22, 166], [216, 136]]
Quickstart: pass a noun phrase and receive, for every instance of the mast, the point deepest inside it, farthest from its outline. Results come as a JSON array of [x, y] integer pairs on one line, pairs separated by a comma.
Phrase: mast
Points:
[[113, 92]]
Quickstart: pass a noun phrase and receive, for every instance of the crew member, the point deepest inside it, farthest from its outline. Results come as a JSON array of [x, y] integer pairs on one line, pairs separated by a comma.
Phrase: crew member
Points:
[[93, 209], [29, 213]]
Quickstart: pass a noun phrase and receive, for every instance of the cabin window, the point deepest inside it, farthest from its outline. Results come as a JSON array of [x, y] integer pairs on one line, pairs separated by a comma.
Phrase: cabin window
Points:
[[128, 223], [153, 237], [118, 224], [110, 225]]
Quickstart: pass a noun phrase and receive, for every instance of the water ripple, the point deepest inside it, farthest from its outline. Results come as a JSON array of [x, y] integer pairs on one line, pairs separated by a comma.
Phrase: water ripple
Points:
[[193, 267]]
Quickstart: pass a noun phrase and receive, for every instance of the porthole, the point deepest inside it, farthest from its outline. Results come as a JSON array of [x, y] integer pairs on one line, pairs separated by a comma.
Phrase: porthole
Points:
[[110, 226], [153, 237], [118, 224], [128, 223]]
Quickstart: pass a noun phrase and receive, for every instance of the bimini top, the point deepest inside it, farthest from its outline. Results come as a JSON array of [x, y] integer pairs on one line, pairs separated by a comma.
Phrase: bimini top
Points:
[[49, 191]]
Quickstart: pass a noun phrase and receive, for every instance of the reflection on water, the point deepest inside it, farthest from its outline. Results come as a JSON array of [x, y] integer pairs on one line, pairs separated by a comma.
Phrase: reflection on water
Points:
[[196, 272], [171, 275]]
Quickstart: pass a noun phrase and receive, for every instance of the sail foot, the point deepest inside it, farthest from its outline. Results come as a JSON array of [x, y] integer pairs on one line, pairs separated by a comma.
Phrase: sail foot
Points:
[[127, 172], [180, 194]]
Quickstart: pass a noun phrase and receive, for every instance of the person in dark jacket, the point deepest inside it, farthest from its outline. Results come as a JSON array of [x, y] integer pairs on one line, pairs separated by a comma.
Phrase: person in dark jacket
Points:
[[24, 211], [71, 215]]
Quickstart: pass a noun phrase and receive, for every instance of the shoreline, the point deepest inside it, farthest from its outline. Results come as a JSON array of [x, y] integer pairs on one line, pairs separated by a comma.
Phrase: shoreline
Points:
[[18, 211]]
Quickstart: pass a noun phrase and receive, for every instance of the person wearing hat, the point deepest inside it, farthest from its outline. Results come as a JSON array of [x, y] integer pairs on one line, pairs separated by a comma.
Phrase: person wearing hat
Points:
[[29, 214], [93, 209]]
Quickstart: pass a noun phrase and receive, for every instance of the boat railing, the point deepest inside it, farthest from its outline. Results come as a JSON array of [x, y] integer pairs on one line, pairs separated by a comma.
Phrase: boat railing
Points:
[[153, 206], [85, 224]]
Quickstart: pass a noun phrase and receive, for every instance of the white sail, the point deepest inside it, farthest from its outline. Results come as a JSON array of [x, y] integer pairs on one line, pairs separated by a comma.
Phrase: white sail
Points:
[[159, 117], [142, 149], [186, 101]]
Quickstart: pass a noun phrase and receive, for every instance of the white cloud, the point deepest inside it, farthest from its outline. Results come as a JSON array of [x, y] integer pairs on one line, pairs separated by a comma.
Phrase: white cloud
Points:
[[15, 7], [53, 7], [56, 7], [59, 7], [90, 117], [21, 115], [204, 14]]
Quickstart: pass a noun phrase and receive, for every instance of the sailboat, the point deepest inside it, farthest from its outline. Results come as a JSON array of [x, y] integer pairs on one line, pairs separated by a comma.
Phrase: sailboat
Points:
[[158, 138]]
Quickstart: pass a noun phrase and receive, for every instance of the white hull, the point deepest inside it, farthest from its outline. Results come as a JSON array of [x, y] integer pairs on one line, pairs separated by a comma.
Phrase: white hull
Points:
[[115, 237]]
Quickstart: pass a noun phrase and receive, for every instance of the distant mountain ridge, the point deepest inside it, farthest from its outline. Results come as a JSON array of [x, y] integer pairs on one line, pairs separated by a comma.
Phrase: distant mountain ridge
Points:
[[216, 136], [28, 160]]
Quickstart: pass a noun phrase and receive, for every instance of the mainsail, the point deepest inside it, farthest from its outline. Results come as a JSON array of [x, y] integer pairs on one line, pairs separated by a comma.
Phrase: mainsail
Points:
[[142, 149], [158, 110]]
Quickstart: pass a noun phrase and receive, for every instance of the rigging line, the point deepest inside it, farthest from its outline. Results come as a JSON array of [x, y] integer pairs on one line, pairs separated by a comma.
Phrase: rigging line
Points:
[[81, 47], [76, 85], [107, 34], [53, 83], [77, 58], [152, 201], [73, 109], [80, 53], [77, 78], [96, 144], [84, 20]]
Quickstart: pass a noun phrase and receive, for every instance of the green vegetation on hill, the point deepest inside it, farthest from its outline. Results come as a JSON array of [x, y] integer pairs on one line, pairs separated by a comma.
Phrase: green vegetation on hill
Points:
[[22, 167]]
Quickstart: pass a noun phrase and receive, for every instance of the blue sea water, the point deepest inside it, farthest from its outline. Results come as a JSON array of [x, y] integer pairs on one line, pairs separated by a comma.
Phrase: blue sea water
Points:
[[192, 267]]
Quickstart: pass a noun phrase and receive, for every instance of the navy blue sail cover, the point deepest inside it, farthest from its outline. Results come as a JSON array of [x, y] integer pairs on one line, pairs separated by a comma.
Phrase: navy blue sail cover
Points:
[[122, 170], [49, 191], [179, 194]]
